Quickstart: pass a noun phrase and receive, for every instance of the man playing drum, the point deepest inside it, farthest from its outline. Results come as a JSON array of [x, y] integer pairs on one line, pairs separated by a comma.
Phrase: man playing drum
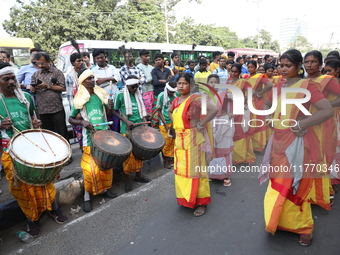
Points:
[[17, 110], [93, 104], [130, 103]]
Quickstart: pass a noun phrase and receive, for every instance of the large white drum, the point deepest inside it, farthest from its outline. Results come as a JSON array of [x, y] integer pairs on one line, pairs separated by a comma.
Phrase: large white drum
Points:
[[38, 164]]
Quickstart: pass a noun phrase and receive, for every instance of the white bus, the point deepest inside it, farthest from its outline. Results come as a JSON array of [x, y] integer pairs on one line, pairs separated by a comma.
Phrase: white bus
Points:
[[115, 57]]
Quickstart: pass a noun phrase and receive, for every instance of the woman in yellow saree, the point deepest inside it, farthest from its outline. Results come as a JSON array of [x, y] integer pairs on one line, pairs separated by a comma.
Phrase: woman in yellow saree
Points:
[[293, 150], [191, 175], [327, 132]]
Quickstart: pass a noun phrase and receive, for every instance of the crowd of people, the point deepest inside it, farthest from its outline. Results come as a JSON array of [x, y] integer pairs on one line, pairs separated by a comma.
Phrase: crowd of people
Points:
[[169, 96]]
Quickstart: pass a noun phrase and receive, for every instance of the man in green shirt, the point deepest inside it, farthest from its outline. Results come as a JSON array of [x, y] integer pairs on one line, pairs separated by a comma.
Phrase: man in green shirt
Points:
[[130, 103], [164, 102], [93, 104], [17, 110]]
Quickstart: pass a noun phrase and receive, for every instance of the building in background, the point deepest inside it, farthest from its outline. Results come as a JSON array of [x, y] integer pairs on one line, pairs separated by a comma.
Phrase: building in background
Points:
[[290, 29]]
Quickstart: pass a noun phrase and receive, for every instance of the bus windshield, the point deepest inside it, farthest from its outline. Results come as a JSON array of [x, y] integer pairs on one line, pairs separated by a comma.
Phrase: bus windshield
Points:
[[18, 49]]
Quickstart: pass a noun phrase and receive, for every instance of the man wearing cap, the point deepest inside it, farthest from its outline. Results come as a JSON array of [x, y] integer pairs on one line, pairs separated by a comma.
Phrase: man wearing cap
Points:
[[93, 104], [17, 110], [147, 88], [130, 104]]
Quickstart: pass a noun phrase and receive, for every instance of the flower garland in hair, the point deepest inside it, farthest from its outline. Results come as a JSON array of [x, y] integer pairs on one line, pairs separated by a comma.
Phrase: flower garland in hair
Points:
[[210, 91]]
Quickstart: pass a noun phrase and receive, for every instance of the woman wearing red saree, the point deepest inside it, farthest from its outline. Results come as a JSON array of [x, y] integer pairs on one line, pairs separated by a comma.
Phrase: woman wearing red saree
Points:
[[327, 132], [191, 174], [287, 200]]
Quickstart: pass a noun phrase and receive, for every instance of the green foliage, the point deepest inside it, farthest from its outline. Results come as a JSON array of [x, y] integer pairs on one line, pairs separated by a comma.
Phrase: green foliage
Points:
[[300, 43], [51, 23], [187, 32], [265, 42]]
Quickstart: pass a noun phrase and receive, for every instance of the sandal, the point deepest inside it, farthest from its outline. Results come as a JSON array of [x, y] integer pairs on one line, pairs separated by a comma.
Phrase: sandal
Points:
[[199, 211], [226, 182], [309, 238]]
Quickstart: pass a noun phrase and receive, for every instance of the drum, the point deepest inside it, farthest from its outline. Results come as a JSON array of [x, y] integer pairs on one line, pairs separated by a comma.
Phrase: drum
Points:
[[109, 149], [146, 142], [31, 164]]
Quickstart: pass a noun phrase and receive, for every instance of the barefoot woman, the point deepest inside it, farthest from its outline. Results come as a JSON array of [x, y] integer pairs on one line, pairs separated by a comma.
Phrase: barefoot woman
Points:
[[286, 202], [191, 177]]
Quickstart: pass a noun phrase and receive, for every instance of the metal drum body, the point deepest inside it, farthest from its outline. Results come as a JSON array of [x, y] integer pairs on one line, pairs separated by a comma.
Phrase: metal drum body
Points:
[[33, 166], [109, 149], [147, 142]]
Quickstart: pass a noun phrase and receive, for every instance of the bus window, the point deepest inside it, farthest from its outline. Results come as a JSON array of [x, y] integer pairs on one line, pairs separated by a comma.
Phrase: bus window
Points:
[[18, 49]]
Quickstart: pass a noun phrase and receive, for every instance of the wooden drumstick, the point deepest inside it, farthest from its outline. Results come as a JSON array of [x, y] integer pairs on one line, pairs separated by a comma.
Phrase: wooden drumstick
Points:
[[41, 132], [25, 136], [141, 123], [153, 113]]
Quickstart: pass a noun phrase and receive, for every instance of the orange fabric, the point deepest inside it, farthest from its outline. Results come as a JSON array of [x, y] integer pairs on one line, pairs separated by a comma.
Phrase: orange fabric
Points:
[[168, 150], [260, 135], [243, 151], [327, 134], [95, 180], [283, 209], [33, 200], [132, 164]]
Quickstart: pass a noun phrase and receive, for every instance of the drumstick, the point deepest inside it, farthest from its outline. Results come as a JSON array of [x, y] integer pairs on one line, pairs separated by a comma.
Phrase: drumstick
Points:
[[103, 124], [25, 136], [35, 117], [141, 123], [161, 116], [111, 96], [153, 113]]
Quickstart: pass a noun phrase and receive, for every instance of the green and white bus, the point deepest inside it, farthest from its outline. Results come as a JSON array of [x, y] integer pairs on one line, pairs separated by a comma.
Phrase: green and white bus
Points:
[[115, 57]]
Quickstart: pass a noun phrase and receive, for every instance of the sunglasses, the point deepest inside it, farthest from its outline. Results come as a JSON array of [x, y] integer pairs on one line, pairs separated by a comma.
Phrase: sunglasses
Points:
[[134, 86]]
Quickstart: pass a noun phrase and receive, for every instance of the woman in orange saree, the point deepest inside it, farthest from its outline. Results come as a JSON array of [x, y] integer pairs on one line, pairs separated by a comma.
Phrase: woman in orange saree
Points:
[[327, 132], [293, 150], [261, 85], [243, 151], [191, 174]]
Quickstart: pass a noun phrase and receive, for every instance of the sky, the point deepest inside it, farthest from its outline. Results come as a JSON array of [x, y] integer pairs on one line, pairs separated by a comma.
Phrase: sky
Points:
[[245, 16]]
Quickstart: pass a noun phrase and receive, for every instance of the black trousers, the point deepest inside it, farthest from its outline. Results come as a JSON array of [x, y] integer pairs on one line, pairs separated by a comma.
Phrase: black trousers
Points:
[[55, 122]]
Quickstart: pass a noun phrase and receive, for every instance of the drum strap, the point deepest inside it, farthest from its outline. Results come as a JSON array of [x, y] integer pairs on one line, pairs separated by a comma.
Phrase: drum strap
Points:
[[9, 116]]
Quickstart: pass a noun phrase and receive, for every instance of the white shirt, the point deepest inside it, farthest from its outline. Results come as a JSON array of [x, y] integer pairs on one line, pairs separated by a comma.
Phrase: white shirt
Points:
[[106, 72]]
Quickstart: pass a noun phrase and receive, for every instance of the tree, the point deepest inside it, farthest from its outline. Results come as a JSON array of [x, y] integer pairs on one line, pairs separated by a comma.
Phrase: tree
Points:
[[187, 32], [51, 23], [300, 43], [265, 41]]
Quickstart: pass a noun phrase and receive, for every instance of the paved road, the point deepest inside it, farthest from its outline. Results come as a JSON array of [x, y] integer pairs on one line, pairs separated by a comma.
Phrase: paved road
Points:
[[149, 221]]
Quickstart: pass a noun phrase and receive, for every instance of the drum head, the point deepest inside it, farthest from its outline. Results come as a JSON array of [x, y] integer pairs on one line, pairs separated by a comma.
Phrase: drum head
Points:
[[147, 137], [111, 142], [25, 151]]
